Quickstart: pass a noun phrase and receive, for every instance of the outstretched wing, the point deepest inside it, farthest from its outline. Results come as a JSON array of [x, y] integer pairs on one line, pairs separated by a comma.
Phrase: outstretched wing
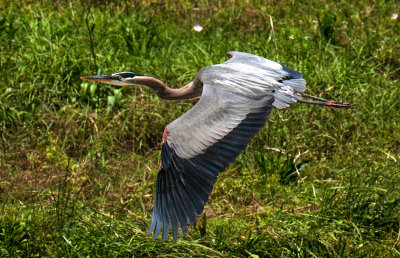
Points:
[[235, 104], [200, 145]]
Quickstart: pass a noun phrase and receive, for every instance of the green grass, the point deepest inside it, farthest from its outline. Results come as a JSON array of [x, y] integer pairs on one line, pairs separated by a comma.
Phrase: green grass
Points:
[[78, 161]]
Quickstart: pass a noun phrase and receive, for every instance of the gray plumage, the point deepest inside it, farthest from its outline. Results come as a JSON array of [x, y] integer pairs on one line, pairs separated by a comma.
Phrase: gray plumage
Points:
[[230, 90], [236, 98]]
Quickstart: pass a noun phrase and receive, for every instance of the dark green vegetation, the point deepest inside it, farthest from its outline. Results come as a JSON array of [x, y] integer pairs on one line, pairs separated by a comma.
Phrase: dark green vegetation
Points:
[[78, 161]]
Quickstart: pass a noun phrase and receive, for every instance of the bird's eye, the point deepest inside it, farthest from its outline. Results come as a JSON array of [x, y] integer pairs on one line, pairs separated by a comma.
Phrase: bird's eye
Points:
[[118, 77]]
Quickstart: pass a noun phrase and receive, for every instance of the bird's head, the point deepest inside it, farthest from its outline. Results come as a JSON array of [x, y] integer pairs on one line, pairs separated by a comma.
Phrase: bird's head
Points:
[[118, 79]]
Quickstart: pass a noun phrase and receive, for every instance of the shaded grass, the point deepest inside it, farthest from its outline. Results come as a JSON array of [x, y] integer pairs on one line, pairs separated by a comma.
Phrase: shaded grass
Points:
[[78, 161]]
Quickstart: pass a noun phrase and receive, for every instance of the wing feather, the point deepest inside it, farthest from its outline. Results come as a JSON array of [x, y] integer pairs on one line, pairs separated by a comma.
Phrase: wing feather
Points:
[[179, 211], [157, 216], [165, 215], [192, 180], [189, 209]]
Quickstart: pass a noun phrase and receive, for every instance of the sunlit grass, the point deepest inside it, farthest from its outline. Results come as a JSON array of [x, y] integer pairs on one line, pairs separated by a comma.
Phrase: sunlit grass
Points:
[[78, 161]]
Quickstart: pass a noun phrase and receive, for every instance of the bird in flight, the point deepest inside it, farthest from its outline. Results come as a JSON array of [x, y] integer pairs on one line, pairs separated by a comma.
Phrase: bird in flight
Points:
[[236, 98]]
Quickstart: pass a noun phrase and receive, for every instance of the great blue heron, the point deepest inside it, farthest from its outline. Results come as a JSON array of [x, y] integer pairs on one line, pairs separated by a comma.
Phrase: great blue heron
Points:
[[236, 98]]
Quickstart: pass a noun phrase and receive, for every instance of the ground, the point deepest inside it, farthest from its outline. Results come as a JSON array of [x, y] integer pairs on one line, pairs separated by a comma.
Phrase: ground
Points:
[[78, 160]]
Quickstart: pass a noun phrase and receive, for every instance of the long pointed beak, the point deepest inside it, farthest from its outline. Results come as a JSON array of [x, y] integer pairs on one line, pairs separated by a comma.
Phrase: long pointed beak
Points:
[[117, 79], [99, 78]]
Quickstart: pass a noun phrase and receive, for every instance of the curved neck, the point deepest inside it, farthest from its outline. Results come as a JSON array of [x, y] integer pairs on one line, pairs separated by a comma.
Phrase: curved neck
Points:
[[189, 91]]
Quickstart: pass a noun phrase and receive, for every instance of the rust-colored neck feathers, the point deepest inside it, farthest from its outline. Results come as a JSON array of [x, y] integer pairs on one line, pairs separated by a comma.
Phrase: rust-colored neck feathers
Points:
[[189, 91]]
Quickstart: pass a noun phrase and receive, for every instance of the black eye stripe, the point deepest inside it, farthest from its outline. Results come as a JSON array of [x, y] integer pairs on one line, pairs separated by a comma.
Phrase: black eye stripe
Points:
[[127, 74]]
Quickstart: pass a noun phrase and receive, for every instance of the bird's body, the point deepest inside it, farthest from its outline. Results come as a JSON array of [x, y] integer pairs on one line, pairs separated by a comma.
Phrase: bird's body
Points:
[[236, 98]]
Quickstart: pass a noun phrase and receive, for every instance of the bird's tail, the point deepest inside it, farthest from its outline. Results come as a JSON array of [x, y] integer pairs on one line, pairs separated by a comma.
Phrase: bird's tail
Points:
[[323, 102]]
